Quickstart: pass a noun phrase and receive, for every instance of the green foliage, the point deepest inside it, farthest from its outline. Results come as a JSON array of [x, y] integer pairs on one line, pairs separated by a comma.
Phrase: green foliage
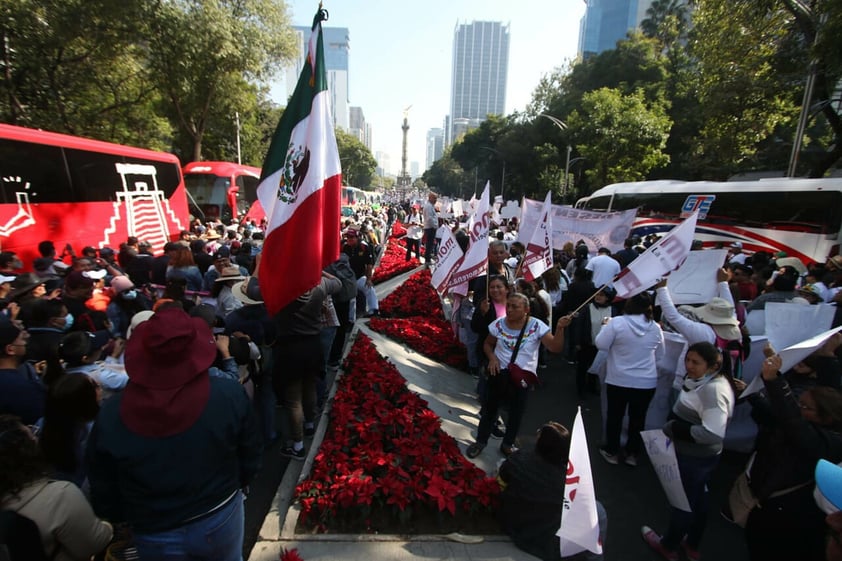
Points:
[[447, 177], [622, 136], [358, 165], [78, 66], [205, 53]]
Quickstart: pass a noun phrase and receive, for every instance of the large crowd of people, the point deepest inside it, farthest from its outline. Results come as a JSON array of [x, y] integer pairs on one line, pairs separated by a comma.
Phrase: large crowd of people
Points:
[[138, 390]]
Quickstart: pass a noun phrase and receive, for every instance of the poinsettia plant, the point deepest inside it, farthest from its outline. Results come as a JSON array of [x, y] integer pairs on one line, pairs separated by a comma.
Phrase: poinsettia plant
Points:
[[393, 262], [415, 297], [430, 336], [386, 458]]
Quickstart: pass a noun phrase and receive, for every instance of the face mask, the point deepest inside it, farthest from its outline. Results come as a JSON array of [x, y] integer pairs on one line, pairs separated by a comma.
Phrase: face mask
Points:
[[68, 321], [130, 294]]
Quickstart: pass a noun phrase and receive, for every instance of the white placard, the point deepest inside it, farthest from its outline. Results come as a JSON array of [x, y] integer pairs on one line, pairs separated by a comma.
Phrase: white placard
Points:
[[695, 281], [788, 324], [791, 356], [662, 455]]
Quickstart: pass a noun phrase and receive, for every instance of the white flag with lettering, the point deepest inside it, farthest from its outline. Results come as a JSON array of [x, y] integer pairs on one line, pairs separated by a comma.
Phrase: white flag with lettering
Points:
[[579, 522], [658, 261], [475, 261], [539, 248], [448, 258]]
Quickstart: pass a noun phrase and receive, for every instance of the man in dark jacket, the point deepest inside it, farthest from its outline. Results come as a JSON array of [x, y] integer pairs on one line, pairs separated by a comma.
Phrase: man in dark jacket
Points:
[[171, 455]]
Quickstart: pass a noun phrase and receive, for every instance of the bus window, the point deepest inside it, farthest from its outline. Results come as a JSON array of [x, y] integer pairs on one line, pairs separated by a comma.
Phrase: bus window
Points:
[[96, 178], [247, 192], [39, 165], [599, 203]]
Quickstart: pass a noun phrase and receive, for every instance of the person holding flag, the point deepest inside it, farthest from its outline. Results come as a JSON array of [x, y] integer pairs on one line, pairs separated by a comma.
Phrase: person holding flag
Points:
[[300, 186], [535, 486]]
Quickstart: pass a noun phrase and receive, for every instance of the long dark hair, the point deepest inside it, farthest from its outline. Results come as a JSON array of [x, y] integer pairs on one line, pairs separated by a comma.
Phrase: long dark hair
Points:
[[21, 461], [71, 403]]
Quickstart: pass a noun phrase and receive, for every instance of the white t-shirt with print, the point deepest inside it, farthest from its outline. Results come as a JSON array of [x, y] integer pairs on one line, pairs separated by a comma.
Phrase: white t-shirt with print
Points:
[[527, 356]]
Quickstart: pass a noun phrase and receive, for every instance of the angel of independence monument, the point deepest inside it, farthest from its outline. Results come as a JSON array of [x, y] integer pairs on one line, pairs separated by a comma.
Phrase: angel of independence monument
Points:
[[404, 181]]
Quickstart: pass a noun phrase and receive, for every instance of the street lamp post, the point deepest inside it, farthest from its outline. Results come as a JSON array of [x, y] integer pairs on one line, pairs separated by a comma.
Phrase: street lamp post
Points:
[[503, 178], [562, 126]]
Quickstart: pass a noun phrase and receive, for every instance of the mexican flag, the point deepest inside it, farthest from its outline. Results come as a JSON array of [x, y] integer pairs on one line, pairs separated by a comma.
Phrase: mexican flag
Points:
[[300, 187]]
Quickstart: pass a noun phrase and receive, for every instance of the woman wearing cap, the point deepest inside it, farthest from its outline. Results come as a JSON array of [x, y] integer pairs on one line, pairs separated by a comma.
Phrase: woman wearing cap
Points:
[[794, 433], [634, 343], [27, 287], [696, 427], [69, 529], [170, 454], [225, 301], [125, 302]]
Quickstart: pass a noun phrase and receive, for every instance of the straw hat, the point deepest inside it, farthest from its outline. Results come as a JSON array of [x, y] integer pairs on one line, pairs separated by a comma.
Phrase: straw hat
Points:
[[248, 291], [230, 274]]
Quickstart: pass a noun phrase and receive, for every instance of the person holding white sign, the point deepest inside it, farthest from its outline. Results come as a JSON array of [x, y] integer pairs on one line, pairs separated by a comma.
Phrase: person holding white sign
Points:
[[794, 433], [697, 428]]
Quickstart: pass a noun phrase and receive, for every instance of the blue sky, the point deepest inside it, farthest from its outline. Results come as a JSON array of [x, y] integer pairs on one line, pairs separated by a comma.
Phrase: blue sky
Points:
[[401, 53]]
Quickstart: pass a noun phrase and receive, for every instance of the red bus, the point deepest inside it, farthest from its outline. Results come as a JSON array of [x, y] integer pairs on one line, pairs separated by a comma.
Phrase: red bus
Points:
[[85, 192], [221, 190]]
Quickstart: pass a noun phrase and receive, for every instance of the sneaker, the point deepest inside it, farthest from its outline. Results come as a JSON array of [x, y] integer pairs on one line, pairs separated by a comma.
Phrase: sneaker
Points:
[[630, 460], [498, 432], [508, 450], [653, 540], [609, 457], [689, 552], [474, 450], [293, 454]]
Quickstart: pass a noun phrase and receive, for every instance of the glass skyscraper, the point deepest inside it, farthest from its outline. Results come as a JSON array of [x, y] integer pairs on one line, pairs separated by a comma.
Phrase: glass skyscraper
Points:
[[478, 80], [607, 21]]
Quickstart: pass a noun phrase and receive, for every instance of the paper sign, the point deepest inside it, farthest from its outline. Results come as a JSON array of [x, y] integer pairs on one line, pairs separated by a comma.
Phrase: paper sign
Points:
[[661, 453], [695, 281], [788, 324], [792, 355]]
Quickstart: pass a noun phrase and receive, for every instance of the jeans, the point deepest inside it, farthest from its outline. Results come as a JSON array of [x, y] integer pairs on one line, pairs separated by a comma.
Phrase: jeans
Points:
[[216, 537], [618, 399], [501, 389], [695, 476], [326, 339], [410, 245]]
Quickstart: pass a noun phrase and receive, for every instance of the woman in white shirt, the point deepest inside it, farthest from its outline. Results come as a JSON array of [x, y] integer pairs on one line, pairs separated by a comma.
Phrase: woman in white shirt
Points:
[[503, 335], [634, 344]]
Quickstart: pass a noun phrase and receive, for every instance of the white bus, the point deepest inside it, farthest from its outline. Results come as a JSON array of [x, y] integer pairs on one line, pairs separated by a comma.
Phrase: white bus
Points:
[[802, 217]]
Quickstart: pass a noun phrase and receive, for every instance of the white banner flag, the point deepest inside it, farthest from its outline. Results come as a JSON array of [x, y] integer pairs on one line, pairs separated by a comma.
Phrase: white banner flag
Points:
[[449, 256], [658, 261], [598, 229], [579, 523], [695, 281], [539, 249], [475, 261], [788, 324]]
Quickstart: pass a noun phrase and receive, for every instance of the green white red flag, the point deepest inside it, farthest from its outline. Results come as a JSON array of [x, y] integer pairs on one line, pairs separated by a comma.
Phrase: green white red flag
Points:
[[300, 187]]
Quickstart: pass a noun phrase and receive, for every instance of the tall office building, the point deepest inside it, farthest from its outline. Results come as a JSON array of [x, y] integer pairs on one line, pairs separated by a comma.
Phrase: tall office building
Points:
[[337, 45], [478, 79], [358, 127], [435, 146], [607, 21]]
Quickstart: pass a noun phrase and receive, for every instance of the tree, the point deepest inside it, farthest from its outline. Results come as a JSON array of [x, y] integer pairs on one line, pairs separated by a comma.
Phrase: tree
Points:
[[204, 53], [447, 177], [358, 165], [622, 136], [78, 66]]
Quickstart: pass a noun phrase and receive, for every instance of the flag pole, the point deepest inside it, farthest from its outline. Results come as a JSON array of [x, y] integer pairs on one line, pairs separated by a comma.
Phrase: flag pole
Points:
[[586, 302]]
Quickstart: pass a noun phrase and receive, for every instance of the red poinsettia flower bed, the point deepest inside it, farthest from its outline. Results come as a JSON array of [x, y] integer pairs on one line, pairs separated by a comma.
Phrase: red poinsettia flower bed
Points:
[[393, 263], [385, 463], [415, 297], [430, 336]]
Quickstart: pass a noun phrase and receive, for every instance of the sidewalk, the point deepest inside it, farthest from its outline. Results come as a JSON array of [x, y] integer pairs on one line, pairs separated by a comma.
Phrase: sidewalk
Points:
[[450, 394]]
